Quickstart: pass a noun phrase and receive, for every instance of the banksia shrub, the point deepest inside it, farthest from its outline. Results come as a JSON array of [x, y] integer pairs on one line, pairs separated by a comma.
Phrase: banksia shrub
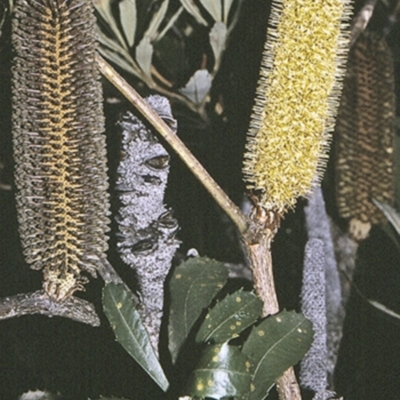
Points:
[[296, 99], [59, 148], [365, 135]]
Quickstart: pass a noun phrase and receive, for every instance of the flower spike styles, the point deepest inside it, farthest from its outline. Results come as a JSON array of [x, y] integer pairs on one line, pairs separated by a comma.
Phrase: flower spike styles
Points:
[[296, 99], [59, 146]]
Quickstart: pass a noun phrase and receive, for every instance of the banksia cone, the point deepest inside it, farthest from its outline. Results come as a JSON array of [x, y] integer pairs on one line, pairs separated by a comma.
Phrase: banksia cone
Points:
[[146, 226], [296, 99], [59, 149], [365, 135]]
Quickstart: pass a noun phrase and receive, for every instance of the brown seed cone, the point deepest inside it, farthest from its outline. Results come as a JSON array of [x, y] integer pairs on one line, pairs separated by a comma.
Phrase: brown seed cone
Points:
[[59, 148], [365, 135]]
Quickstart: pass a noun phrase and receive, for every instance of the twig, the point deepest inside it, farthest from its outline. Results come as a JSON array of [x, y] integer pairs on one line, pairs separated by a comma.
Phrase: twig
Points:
[[173, 140], [361, 20], [258, 249], [39, 303]]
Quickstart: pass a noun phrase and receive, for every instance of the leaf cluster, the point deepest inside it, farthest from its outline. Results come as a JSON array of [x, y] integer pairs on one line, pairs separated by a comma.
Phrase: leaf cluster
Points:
[[240, 354], [151, 41]]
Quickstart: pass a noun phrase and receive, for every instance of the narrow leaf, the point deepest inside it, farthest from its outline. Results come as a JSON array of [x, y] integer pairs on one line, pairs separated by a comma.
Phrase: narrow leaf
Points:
[[103, 7], [218, 36], [193, 285], [198, 86], [118, 60], [213, 7], [227, 9], [277, 343], [194, 11], [108, 42], [230, 317], [223, 371], [156, 20], [144, 55], [384, 309], [128, 17], [129, 331], [112, 398], [391, 214]]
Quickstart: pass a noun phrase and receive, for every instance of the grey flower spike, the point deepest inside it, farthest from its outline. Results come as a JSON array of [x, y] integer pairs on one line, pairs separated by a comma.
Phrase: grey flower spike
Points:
[[318, 227], [313, 373], [147, 229]]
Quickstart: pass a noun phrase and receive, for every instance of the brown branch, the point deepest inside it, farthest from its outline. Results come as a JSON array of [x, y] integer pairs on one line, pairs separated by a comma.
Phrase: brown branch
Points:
[[258, 249], [39, 303]]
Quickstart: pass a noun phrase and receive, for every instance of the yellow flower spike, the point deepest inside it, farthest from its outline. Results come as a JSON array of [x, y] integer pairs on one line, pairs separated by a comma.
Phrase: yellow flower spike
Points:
[[296, 99]]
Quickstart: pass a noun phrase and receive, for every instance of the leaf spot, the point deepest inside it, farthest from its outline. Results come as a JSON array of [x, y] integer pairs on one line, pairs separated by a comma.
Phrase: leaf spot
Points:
[[232, 327], [216, 350], [215, 358], [278, 319], [252, 388], [200, 386], [299, 330], [119, 305], [261, 332], [210, 382], [247, 364], [238, 299], [238, 323], [178, 276]]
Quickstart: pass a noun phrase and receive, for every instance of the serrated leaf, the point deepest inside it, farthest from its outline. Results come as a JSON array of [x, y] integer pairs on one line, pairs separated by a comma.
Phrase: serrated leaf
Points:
[[144, 55], [128, 15], [218, 36], [227, 9], [231, 316], [129, 331], [213, 7], [103, 7], [193, 10], [277, 343], [193, 285], [198, 86], [156, 20], [223, 371]]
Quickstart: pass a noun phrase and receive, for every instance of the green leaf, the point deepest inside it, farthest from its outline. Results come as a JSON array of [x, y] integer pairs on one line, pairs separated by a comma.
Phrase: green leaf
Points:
[[218, 36], [229, 317], [193, 285], [144, 55], [128, 17], [223, 371], [129, 331], [198, 86], [213, 7], [194, 11], [277, 343]]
